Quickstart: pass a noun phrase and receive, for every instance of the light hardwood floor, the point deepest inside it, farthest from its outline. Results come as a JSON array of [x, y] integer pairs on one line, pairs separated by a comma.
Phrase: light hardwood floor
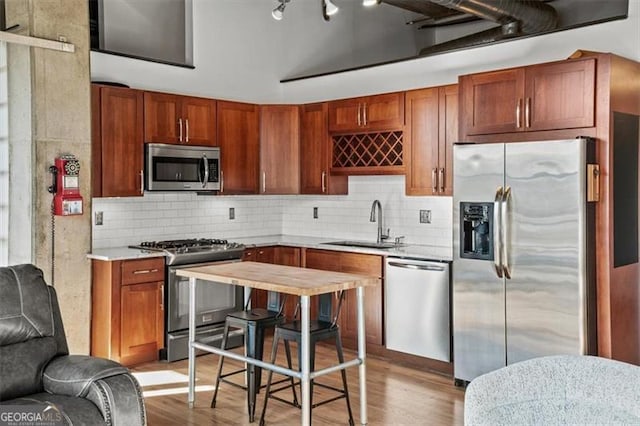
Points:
[[396, 395]]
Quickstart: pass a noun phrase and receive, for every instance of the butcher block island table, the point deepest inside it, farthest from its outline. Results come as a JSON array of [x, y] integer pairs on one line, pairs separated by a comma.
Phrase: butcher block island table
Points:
[[301, 282]]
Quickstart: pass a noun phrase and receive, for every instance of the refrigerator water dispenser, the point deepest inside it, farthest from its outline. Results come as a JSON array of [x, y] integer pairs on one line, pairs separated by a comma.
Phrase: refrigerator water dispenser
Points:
[[476, 224]]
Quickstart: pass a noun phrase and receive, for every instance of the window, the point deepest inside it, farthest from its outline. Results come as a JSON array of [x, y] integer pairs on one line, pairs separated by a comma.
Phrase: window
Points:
[[158, 30]]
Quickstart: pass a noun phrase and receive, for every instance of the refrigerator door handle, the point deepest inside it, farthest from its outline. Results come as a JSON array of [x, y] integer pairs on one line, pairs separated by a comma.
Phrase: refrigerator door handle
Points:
[[506, 199], [497, 231]]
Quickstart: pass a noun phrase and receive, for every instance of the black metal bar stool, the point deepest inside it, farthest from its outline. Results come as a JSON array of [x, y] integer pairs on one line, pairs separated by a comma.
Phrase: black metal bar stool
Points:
[[253, 322], [324, 328]]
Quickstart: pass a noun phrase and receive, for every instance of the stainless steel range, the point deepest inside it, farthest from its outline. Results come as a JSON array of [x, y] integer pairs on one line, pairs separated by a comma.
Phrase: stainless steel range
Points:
[[213, 301], [195, 250]]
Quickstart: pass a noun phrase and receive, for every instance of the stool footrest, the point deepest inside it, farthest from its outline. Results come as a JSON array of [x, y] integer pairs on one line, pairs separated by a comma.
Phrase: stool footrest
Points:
[[238, 385], [277, 398], [297, 384], [222, 376]]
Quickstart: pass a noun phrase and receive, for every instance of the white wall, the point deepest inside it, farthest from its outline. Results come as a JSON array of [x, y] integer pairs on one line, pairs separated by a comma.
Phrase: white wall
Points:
[[356, 36], [164, 216], [234, 43], [241, 53], [620, 37], [348, 216], [159, 216]]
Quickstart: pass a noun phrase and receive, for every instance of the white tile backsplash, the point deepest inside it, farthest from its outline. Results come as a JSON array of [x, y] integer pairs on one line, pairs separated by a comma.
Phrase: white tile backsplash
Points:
[[159, 216], [347, 217]]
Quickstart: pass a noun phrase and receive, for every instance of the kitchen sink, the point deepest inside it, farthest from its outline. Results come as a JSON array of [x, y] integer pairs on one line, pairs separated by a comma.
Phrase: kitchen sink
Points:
[[364, 244]]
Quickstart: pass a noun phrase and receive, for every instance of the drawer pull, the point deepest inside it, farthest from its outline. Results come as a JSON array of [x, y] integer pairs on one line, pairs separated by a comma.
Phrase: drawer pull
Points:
[[144, 271]]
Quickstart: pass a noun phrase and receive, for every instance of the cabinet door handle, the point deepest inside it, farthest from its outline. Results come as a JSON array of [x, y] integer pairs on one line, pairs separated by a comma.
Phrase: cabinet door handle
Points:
[[144, 271], [162, 297], [221, 181], [359, 115], [434, 181], [186, 126], [180, 131], [264, 182], [527, 113], [441, 179], [518, 108], [324, 185], [141, 182], [364, 115]]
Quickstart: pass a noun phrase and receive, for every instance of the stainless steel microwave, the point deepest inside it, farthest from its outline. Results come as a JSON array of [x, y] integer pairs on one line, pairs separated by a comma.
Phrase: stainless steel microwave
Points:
[[181, 168]]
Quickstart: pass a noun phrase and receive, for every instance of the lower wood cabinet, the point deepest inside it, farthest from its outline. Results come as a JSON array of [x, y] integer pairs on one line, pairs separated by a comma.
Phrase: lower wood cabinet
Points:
[[279, 255], [127, 317], [355, 263]]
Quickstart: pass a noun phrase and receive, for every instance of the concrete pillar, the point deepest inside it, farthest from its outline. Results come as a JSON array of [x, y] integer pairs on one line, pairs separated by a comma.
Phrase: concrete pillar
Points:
[[60, 124]]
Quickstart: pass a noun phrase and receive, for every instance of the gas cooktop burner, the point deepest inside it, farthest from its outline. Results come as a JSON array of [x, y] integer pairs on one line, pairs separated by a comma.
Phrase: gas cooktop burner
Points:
[[188, 243], [194, 250]]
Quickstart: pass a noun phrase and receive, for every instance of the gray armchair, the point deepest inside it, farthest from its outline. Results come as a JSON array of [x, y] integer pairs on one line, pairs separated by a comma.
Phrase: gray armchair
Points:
[[556, 390], [37, 370]]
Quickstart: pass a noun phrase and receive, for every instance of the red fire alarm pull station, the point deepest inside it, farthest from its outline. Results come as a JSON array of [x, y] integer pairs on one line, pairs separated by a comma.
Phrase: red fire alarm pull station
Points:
[[67, 200]]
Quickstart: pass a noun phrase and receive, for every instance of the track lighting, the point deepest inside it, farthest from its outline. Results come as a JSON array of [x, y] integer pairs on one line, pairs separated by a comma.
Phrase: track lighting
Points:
[[370, 2], [279, 10], [330, 9]]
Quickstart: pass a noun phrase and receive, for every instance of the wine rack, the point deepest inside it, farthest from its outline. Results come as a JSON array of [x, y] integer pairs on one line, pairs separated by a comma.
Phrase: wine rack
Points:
[[370, 153]]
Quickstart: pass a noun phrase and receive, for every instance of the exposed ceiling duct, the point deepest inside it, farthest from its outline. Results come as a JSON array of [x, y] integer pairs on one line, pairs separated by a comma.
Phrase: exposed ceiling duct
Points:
[[515, 17]]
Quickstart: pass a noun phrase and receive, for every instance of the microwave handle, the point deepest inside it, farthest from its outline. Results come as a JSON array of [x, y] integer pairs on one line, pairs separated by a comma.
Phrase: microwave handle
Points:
[[206, 171]]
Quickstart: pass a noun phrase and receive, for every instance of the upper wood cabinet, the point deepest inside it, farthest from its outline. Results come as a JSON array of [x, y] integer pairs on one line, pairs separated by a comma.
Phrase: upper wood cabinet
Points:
[[315, 153], [369, 113], [238, 136], [176, 119], [117, 141], [279, 149], [431, 130], [558, 95]]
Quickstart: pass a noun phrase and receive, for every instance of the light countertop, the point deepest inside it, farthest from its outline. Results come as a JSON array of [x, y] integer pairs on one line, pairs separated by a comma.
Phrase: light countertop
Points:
[[424, 252], [122, 253]]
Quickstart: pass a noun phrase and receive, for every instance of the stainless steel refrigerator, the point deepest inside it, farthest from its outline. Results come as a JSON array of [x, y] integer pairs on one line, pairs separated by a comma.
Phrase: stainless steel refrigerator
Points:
[[523, 267]]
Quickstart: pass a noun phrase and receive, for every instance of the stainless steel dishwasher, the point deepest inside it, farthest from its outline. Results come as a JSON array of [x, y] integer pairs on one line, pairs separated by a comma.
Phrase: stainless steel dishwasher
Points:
[[417, 307]]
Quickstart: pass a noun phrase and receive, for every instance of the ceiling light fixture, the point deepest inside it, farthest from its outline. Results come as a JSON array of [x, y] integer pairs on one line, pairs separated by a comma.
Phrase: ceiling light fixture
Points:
[[279, 10], [330, 9], [369, 3]]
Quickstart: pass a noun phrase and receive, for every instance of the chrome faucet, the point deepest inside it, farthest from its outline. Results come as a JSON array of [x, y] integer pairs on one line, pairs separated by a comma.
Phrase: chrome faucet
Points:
[[381, 236]]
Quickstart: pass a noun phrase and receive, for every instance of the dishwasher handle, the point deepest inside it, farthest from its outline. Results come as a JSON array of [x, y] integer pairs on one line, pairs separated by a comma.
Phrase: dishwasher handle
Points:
[[414, 266]]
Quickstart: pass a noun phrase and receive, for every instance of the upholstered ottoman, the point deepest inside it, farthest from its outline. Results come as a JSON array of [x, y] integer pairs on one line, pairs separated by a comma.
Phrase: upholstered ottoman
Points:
[[556, 390]]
